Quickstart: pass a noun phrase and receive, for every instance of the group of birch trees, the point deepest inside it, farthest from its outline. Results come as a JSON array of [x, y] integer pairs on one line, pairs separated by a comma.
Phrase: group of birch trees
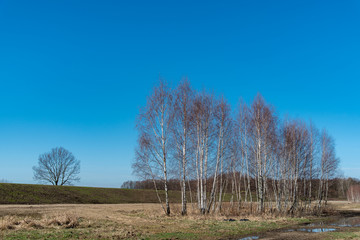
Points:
[[248, 156], [353, 193]]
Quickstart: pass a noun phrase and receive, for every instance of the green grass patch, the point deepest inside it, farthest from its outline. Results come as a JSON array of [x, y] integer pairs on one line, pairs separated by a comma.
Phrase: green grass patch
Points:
[[215, 229], [36, 234], [173, 235], [345, 233]]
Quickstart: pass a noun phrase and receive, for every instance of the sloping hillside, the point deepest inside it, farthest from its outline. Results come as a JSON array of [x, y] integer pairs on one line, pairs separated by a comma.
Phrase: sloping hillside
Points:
[[45, 194]]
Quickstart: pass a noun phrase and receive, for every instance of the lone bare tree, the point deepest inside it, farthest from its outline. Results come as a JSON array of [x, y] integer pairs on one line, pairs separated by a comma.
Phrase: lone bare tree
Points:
[[59, 167]]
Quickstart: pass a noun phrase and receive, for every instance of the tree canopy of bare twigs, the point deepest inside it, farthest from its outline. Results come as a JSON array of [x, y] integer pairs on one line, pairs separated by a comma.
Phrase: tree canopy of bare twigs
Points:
[[58, 167], [273, 163]]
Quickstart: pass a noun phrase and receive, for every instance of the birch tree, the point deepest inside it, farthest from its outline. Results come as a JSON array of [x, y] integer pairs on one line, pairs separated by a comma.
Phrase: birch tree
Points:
[[202, 116], [242, 126], [262, 133], [223, 130], [181, 130], [328, 165], [154, 126], [313, 157]]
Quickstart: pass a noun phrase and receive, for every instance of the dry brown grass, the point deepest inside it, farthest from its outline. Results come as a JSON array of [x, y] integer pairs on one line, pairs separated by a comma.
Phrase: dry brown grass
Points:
[[12, 222], [63, 220], [345, 205], [114, 221], [68, 215], [121, 221], [8, 222]]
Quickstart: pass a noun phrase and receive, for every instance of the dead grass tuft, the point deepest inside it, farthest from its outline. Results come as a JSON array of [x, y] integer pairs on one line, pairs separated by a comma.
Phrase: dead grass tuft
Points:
[[59, 220], [35, 225], [63, 220], [8, 222]]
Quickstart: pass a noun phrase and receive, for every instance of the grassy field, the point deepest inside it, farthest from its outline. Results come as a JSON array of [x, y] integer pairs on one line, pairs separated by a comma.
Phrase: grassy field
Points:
[[53, 212], [45, 194], [147, 221], [125, 221]]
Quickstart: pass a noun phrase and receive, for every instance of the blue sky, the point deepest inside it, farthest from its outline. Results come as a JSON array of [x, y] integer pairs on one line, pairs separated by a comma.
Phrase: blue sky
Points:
[[74, 73]]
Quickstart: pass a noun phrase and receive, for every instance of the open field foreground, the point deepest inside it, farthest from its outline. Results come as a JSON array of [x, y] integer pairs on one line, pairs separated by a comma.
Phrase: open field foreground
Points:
[[147, 221]]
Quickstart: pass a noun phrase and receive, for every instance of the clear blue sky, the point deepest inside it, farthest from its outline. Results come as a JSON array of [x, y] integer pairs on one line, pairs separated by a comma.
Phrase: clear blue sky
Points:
[[74, 73]]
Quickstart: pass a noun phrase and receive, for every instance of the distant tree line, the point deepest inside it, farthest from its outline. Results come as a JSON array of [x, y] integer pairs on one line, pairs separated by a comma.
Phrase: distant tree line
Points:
[[196, 138], [338, 187]]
